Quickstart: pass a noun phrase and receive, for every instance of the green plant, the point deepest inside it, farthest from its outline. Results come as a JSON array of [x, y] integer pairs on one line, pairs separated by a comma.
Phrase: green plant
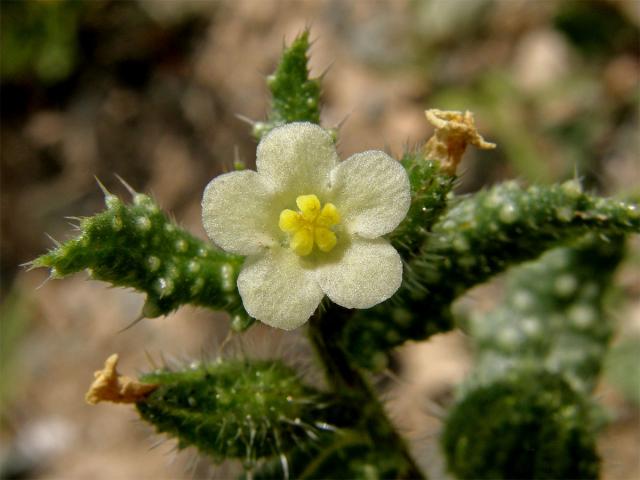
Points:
[[39, 38], [264, 414]]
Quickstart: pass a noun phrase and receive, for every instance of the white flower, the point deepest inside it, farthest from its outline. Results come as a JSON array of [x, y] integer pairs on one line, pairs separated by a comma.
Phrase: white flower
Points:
[[309, 225]]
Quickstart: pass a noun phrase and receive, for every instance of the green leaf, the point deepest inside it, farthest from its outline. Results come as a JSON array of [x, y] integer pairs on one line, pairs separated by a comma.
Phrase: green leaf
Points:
[[552, 317], [528, 426], [504, 226], [429, 189], [137, 246], [237, 409], [476, 239], [347, 454], [40, 39], [295, 96]]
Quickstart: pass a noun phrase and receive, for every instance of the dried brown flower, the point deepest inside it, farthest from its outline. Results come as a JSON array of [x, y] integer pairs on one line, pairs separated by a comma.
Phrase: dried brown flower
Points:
[[110, 386], [454, 130]]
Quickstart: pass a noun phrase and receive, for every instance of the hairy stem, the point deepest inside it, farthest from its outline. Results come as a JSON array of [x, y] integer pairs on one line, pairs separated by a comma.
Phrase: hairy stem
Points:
[[348, 381]]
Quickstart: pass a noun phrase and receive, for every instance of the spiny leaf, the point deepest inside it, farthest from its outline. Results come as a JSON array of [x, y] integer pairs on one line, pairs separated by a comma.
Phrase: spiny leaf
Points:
[[429, 189], [295, 96], [552, 316], [528, 426], [236, 409], [348, 454], [137, 246], [494, 229], [479, 237]]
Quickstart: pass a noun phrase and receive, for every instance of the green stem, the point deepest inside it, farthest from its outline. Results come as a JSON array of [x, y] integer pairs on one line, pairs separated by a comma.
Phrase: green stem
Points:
[[347, 381]]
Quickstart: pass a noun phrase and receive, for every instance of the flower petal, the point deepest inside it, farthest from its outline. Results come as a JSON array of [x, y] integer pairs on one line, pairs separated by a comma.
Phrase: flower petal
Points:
[[297, 158], [372, 193], [360, 273], [236, 213], [277, 290]]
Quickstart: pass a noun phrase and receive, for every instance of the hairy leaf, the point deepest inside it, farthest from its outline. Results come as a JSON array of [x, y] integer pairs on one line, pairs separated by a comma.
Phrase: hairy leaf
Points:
[[478, 238], [295, 96], [137, 246], [237, 409]]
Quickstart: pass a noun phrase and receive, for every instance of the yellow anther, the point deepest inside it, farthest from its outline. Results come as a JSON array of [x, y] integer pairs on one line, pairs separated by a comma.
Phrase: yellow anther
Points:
[[290, 221], [325, 239], [329, 216], [310, 225], [309, 206], [302, 242]]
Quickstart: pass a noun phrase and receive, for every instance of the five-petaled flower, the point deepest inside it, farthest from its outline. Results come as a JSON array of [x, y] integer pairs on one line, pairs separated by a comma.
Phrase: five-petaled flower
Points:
[[309, 225]]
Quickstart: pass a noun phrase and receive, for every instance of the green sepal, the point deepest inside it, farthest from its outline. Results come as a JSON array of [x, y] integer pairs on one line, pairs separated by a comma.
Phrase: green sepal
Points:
[[135, 245], [429, 189], [236, 409], [295, 96], [553, 316], [529, 425]]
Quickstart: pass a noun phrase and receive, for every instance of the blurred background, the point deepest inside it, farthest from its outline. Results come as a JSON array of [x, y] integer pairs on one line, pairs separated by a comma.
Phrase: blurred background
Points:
[[151, 90]]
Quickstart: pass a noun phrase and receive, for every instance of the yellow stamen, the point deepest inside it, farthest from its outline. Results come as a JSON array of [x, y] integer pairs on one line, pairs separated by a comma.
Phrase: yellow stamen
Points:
[[325, 239], [309, 206], [302, 242], [329, 216], [290, 221], [312, 224]]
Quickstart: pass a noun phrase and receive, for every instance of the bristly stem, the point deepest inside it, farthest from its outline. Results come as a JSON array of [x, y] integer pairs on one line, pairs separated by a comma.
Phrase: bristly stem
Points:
[[347, 381]]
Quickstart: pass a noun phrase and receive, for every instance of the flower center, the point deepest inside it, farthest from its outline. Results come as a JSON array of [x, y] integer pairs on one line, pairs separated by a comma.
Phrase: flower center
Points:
[[310, 224]]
